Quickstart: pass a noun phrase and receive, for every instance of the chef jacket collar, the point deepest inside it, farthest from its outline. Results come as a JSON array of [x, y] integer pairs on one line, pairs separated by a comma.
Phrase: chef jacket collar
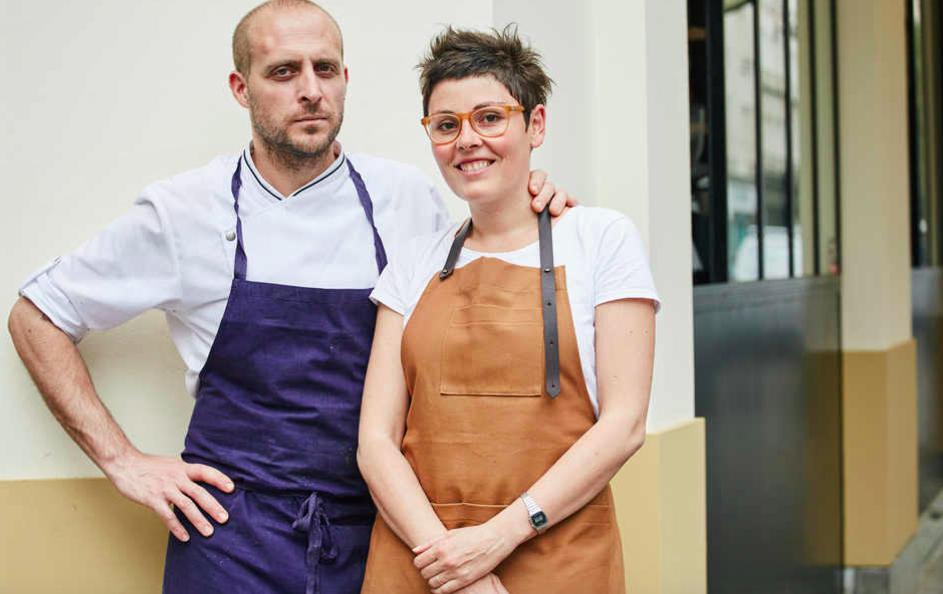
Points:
[[252, 176]]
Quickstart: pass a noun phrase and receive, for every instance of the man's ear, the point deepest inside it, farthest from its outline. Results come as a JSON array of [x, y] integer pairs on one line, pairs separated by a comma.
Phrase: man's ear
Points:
[[239, 88]]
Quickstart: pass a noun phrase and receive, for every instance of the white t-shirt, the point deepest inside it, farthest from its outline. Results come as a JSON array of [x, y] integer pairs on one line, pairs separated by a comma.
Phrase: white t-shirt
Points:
[[600, 248], [173, 250]]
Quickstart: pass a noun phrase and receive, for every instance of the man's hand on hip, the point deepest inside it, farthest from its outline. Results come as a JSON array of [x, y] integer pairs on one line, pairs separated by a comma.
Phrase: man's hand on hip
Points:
[[162, 483]]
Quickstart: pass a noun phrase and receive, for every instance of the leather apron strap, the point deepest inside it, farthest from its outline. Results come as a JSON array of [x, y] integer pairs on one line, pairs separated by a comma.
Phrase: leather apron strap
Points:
[[548, 292]]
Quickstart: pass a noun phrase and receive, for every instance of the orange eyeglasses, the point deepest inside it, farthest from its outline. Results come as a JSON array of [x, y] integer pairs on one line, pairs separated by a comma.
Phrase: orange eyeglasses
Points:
[[489, 121]]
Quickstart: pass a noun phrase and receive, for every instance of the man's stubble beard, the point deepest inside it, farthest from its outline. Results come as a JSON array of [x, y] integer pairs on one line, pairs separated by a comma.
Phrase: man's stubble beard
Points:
[[279, 145]]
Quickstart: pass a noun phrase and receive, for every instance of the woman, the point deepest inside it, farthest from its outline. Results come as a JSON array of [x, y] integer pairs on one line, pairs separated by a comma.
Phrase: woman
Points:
[[503, 392]]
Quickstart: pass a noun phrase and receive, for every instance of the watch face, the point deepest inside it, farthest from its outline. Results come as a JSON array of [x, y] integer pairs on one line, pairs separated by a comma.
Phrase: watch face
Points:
[[539, 519]]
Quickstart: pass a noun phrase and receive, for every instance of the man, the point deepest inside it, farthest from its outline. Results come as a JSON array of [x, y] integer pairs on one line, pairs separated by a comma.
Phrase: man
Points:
[[262, 262]]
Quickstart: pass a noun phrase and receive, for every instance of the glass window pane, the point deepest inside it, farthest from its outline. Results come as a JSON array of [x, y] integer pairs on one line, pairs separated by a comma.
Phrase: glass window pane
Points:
[[922, 215], [803, 126], [704, 267], [740, 86], [826, 155], [776, 214]]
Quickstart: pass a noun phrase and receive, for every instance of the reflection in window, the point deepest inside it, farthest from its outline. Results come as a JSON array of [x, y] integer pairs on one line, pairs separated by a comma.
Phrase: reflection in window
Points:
[[803, 127], [774, 177], [740, 102], [764, 191], [926, 130]]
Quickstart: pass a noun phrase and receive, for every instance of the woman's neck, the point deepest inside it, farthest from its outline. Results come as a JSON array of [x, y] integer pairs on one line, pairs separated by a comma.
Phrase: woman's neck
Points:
[[503, 225]]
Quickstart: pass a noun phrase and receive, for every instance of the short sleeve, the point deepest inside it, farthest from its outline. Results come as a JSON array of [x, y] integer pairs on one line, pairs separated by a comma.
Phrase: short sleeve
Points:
[[621, 268], [127, 268], [392, 287]]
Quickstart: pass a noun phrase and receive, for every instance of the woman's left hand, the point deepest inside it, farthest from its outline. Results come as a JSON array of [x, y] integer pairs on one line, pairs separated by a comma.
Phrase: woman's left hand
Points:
[[461, 556]]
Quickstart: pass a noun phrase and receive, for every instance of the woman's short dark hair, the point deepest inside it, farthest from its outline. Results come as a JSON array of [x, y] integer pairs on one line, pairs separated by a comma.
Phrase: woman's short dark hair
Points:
[[460, 53]]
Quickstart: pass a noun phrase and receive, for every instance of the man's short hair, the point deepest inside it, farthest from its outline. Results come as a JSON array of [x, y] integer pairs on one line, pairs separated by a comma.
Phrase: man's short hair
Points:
[[241, 50], [460, 53]]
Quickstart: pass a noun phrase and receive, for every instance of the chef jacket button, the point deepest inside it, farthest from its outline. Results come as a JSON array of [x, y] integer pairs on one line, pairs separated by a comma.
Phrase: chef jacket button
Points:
[[230, 235]]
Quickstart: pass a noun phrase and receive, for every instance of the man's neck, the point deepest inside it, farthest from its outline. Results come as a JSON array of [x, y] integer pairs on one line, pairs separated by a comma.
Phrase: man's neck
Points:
[[285, 173]]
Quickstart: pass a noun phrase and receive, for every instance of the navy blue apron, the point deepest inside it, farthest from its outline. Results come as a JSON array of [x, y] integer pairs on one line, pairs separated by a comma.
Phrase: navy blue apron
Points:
[[277, 410]]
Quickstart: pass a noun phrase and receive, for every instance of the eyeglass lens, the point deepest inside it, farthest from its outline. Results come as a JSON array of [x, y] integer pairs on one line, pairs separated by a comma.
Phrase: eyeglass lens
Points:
[[487, 121]]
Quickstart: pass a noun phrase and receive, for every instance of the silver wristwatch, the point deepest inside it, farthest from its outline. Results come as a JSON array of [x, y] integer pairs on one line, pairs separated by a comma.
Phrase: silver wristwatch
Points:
[[537, 517]]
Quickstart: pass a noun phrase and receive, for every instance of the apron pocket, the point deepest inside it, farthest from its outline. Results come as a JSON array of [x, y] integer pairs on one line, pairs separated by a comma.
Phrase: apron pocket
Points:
[[493, 351]]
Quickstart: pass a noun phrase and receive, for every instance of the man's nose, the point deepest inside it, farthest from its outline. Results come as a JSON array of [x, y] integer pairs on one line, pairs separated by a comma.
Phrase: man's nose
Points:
[[309, 85]]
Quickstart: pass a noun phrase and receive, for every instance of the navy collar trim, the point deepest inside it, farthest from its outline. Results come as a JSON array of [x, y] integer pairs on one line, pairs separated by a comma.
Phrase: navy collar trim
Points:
[[324, 176]]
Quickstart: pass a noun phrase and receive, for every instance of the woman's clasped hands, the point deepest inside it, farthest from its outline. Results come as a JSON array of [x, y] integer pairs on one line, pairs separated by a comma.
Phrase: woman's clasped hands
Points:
[[462, 559]]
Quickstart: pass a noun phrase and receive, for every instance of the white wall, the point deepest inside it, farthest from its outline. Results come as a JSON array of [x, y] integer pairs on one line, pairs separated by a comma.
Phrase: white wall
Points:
[[99, 99], [567, 152], [640, 101]]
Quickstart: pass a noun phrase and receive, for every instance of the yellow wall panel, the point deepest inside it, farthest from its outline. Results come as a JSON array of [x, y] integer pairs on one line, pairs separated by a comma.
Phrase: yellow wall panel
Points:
[[879, 404]]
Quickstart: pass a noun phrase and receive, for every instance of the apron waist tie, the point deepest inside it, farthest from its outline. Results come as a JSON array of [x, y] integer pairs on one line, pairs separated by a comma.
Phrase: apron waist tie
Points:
[[321, 546]]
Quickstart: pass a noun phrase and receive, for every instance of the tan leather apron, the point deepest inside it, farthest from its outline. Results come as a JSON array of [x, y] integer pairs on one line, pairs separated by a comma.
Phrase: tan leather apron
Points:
[[481, 430]]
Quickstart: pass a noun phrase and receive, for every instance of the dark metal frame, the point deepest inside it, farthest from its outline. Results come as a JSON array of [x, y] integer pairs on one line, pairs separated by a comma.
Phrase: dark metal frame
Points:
[[814, 157], [717, 142], [790, 166], [939, 152], [916, 258], [758, 126], [934, 218]]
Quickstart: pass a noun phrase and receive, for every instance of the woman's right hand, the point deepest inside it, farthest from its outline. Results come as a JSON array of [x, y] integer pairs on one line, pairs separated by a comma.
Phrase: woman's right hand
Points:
[[490, 584]]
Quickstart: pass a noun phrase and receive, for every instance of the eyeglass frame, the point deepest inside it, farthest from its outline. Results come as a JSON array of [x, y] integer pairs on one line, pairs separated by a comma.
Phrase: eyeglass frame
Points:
[[466, 115]]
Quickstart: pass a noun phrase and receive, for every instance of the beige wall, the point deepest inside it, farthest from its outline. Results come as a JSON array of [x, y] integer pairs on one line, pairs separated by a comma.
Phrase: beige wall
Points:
[[641, 150], [875, 223], [660, 502], [879, 361], [879, 441]]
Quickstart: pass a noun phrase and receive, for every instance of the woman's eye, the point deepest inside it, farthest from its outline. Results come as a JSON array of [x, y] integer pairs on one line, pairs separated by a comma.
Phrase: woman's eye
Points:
[[445, 126], [490, 117]]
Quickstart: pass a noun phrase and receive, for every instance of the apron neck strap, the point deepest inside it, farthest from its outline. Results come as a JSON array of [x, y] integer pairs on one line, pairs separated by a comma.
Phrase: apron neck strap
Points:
[[548, 292], [456, 249], [242, 263], [367, 204]]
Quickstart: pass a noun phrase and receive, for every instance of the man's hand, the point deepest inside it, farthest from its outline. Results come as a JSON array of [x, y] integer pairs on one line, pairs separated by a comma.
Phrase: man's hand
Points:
[[55, 364], [490, 584], [461, 557], [162, 483], [544, 191]]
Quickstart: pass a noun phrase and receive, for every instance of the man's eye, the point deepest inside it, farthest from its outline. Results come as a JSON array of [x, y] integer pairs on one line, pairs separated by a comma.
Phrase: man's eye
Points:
[[281, 72], [325, 68]]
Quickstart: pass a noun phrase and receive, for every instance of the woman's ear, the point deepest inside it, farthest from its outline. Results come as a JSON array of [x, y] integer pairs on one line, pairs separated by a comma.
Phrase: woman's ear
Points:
[[537, 126]]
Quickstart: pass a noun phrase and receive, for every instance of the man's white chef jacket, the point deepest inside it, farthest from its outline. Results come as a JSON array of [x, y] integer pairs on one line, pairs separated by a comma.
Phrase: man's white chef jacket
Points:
[[174, 249]]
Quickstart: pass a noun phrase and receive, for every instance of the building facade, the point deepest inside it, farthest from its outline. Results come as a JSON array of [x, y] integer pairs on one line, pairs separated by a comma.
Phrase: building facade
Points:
[[796, 424]]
